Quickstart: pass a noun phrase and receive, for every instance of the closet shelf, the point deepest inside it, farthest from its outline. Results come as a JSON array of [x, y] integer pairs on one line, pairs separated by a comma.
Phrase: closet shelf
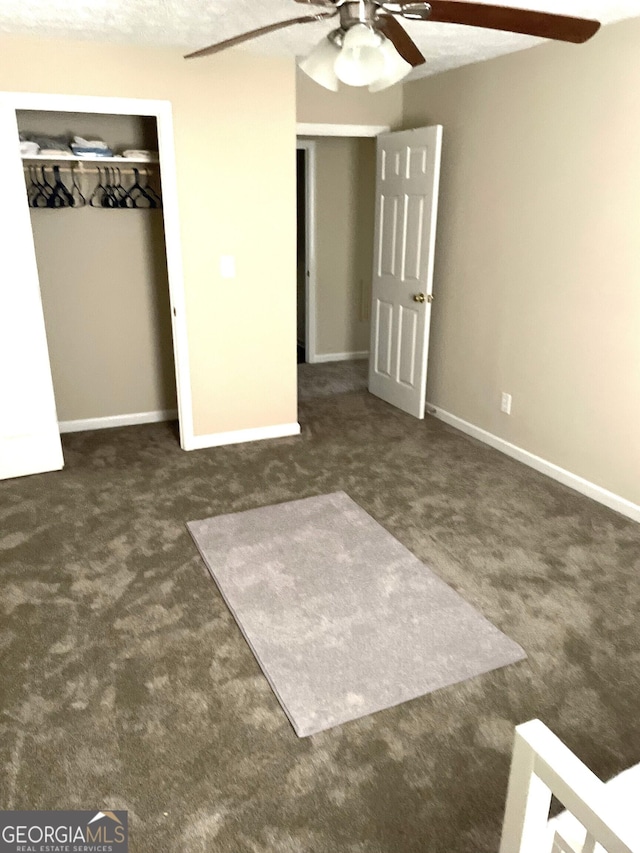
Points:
[[88, 159]]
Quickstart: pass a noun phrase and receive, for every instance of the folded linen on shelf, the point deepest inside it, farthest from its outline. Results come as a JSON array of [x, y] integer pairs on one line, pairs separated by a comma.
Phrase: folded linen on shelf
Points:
[[89, 143], [59, 153], [91, 152], [28, 148], [139, 154], [48, 143], [93, 147]]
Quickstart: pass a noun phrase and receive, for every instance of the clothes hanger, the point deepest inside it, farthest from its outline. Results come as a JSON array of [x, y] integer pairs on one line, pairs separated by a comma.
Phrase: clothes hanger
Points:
[[110, 199], [147, 186], [101, 196], [76, 192], [114, 186], [41, 197], [34, 187], [137, 193], [118, 188], [60, 195]]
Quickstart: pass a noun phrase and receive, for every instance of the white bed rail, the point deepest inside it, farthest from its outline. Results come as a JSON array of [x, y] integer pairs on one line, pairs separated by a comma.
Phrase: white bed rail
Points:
[[541, 766]]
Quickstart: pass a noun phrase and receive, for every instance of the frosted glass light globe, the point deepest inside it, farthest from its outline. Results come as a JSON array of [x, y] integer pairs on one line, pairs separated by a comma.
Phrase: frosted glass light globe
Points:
[[319, 65], [396, 68], [360, 62]]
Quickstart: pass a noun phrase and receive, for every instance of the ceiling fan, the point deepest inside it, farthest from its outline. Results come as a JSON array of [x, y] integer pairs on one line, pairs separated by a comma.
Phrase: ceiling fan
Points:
[[371, 48]]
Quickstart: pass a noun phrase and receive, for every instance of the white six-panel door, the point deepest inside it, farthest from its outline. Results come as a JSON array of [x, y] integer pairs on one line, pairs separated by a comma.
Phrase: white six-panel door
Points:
[[407, 178], [29, 436]]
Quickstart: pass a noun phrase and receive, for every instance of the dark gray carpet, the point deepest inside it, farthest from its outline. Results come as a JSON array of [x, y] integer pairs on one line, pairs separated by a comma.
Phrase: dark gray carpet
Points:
[[333, 377], [342, 618], [126, 684]]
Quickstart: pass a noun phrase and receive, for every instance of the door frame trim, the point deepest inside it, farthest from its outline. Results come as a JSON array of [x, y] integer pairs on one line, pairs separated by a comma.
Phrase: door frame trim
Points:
[[355, 130], [349, 131], [309, 147], [162, 112]]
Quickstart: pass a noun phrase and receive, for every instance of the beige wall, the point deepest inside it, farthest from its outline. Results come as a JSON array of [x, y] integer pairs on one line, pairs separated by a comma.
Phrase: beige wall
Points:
[[537, 274], [345, 201], [235, 137], [103, 279], [347, 106]]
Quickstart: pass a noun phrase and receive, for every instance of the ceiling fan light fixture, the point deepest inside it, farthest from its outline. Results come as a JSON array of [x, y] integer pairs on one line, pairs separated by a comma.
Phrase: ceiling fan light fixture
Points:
[[320, 64], [396, 68], [360, 62]]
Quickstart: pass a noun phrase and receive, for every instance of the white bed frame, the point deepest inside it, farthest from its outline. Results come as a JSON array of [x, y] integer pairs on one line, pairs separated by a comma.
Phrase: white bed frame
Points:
[[541, 766]]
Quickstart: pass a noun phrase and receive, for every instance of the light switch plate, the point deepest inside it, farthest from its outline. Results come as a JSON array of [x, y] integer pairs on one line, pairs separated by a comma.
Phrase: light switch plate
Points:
[[227, 266], [505, 403]]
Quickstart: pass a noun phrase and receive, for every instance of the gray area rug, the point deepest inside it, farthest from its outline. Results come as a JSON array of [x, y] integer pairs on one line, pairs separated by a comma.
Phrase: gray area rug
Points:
[[342, 618]]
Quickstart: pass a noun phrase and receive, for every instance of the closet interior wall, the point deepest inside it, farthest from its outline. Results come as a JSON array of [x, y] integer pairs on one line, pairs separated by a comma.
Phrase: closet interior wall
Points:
[[104, 284]]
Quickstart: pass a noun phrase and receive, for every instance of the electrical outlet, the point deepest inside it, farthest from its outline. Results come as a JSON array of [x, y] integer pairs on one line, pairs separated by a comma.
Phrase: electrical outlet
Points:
[[505, 403]]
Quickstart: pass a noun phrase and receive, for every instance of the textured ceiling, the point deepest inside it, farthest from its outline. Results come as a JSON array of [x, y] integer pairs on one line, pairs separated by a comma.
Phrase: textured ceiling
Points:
[[196, 23]]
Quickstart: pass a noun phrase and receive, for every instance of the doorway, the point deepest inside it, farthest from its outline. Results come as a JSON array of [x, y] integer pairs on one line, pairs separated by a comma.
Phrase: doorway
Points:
[[336, 207], [100, 250], [30, 432]]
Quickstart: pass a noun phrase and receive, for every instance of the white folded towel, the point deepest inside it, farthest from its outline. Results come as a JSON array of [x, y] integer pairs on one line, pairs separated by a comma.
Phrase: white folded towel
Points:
[[89, 143], [28, 148], [140, 154]]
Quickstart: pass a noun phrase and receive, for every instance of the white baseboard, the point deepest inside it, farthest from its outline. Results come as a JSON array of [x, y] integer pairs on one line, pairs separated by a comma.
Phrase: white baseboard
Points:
[[591, 490], [338, 356], [218, 439], [118, 421]]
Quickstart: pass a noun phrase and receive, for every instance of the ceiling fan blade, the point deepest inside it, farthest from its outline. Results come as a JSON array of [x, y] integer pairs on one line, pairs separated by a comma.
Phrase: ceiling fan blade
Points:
[[400, 39], [525, 21], [261, 31]]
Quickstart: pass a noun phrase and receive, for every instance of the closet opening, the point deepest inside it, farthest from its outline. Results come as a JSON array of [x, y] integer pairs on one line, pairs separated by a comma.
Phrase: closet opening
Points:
[[95, 195]]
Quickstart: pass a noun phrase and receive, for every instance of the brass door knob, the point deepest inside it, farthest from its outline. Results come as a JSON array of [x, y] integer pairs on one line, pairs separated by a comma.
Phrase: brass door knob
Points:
[[419, 297]]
